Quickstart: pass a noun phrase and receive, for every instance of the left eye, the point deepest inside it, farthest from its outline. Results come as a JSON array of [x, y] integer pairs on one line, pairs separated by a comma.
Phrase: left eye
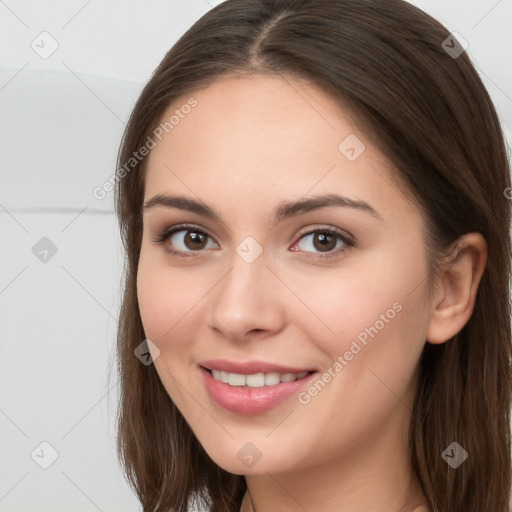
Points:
[[323, 241]]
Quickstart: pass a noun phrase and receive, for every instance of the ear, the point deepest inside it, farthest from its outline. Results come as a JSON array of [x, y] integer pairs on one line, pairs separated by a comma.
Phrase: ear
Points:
[[456, 288]]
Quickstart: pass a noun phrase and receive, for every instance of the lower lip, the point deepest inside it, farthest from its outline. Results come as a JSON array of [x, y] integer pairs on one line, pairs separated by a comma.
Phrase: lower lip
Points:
[[250, 401]]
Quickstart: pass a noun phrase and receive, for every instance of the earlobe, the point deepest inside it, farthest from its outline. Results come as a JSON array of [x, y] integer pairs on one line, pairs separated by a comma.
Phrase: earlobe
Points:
[[456, 289]]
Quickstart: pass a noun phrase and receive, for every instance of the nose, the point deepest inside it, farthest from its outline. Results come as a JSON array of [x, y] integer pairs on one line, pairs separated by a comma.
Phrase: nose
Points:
[[247, 301]]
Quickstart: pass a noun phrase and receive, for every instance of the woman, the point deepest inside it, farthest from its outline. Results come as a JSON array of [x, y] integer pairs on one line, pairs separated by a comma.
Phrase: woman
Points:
[[311, 195]]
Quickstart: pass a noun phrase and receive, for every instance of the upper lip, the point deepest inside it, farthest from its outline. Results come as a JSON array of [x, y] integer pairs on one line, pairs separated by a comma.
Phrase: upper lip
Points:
[[250, 367]]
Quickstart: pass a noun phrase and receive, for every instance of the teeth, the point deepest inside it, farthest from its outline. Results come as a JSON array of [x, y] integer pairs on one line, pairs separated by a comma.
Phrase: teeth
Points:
[[257, 380], [236, 380]]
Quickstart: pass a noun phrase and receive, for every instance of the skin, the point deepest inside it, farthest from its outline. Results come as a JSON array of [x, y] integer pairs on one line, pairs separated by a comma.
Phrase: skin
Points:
[[249, 144]]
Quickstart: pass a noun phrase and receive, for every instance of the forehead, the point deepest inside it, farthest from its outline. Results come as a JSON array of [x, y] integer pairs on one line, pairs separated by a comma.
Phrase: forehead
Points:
[[263, 138]]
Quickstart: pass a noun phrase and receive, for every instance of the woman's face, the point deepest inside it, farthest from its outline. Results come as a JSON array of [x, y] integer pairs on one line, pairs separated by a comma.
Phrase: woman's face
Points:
[[340, 290]]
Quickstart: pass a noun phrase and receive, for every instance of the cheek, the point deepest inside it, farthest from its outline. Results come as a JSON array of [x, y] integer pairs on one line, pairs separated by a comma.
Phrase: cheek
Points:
[[152, 302], [344, 303], [170, 301], [162, 301], [165, 304], [382, 305], [379, 328]]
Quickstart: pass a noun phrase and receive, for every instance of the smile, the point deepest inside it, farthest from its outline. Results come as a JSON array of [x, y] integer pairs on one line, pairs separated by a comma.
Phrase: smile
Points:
[[253, 394], [257, 380]]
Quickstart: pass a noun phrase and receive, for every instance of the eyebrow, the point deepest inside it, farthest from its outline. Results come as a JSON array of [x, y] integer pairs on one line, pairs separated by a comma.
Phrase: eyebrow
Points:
[[284, 210]]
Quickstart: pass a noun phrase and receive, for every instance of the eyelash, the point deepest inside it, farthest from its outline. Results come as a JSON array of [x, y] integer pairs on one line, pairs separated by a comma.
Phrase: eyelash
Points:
[[162, 237]]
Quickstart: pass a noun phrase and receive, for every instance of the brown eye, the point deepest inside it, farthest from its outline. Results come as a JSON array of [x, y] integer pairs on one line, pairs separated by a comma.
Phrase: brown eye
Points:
[[322, 242], [184, 240], [195, 240]]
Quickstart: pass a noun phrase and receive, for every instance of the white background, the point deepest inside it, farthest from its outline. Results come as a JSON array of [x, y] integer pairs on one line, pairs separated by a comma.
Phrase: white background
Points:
[[61, 120]]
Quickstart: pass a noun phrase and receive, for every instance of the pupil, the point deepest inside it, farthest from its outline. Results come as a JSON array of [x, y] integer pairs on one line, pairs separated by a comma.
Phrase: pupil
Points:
[[325, 241], [197, 239]]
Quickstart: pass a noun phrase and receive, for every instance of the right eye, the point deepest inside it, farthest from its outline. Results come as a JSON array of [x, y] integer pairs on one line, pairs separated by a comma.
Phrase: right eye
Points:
[[184, 240]]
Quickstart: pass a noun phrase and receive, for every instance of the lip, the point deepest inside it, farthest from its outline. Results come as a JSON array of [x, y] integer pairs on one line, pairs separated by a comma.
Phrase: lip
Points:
[[248, 401], [250, 367]]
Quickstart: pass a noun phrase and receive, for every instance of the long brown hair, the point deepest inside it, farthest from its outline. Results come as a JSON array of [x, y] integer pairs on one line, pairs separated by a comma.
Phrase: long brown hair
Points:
[[426, 108]]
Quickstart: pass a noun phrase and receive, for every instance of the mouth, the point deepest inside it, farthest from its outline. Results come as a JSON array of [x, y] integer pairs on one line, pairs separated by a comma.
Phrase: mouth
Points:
[[256, 380], [253, 394]]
